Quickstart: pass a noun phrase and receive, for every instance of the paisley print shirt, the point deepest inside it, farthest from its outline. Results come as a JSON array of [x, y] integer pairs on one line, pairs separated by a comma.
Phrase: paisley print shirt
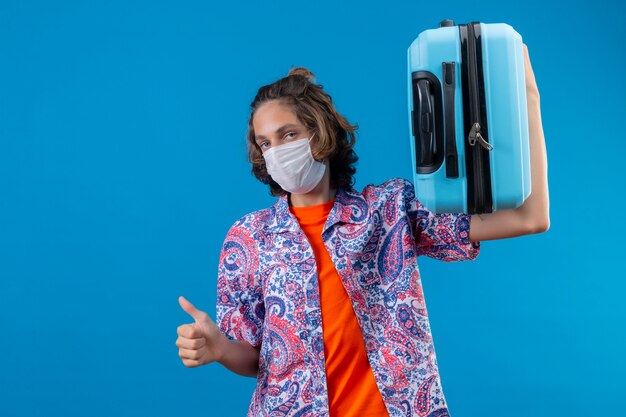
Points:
[[268, 295]]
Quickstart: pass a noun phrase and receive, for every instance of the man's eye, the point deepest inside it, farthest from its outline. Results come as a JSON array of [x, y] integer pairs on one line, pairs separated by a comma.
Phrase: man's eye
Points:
[[292, 133]]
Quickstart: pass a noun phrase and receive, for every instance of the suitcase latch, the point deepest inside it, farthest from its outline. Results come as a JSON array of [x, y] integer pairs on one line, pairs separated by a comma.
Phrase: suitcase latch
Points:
[[474, 135]]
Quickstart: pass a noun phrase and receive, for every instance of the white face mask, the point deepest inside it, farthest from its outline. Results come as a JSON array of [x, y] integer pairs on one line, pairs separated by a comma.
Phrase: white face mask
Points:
[[293, 167]]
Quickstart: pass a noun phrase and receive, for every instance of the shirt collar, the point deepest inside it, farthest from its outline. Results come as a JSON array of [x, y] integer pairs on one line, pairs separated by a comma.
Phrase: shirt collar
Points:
[[349, 207]]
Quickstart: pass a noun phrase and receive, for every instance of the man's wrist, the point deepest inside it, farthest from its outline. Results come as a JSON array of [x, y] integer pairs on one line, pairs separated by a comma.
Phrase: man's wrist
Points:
[[223, 347]]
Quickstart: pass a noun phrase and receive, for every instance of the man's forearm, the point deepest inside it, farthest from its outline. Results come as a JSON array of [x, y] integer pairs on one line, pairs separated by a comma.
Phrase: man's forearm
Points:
[[240, 357]]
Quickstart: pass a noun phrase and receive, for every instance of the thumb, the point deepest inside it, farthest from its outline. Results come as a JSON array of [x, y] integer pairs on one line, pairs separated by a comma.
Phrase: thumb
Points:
[[190, 309]]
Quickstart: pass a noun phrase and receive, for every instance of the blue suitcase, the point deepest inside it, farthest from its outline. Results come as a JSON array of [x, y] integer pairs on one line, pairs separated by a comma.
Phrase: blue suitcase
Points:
[[468, 118]]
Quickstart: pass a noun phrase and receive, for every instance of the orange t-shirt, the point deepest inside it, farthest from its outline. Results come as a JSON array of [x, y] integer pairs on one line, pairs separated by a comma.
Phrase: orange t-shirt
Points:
[[352, 390]]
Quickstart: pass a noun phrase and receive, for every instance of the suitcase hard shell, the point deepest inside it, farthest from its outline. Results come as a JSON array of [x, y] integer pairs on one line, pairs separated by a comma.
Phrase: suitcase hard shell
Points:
[[468, 118]]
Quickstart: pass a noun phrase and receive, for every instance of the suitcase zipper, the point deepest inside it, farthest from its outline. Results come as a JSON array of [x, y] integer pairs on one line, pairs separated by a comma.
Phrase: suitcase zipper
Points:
[[475, 131], [475, 134]]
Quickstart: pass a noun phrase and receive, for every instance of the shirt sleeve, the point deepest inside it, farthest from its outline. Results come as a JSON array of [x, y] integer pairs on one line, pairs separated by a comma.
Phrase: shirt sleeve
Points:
[[240, 309], [443, 236]]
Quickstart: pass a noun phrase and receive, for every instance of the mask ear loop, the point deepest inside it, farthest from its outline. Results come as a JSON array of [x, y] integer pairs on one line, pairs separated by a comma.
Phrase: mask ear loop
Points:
[[323, 161]]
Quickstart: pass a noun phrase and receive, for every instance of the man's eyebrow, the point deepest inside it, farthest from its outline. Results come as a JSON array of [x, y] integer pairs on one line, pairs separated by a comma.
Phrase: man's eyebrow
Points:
[[279, 130]]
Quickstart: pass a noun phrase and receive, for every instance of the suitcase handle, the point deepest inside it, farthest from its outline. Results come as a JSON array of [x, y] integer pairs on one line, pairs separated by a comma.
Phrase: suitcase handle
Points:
[[449, 84], [427, 122], [426, 126]]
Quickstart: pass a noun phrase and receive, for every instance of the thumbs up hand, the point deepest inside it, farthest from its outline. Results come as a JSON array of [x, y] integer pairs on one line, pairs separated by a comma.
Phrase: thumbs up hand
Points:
[[201, 342]]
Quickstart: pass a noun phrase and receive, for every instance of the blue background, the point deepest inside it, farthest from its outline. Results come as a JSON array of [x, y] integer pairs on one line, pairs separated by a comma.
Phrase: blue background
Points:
[[122, 166]]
